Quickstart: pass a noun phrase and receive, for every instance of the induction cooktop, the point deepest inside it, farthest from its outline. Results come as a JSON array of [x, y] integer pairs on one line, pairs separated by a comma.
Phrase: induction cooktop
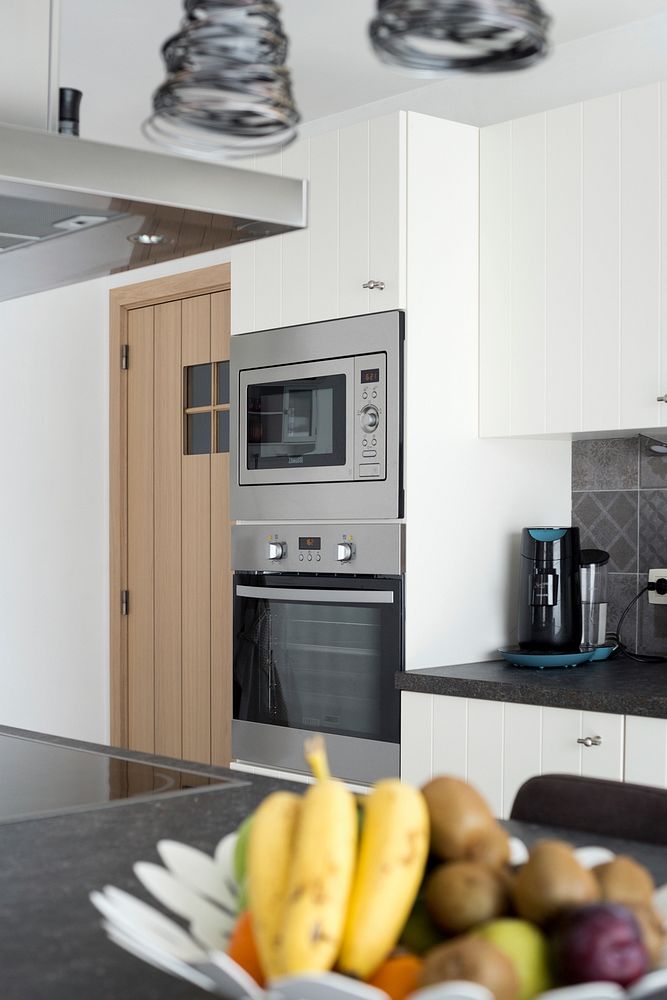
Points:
[[39, 778]]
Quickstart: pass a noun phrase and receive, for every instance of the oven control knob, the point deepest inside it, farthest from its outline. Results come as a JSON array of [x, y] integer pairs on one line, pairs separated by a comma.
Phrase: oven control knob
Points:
[[344, 551], [370, 418], [276, 550]]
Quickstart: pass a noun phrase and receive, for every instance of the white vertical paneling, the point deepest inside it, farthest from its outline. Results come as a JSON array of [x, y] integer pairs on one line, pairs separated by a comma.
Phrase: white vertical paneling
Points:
[[601, 259], [387, 208], [646, 751], [561, 728], [640, 257], [528, 388], [450, 736], [563, 269], [495, 279], [522, 745], [296, 246], [269, 264], [416, 737], [663, 250], [485, 757], [243, 288], [605, 761], [323, 225], [354, 221]]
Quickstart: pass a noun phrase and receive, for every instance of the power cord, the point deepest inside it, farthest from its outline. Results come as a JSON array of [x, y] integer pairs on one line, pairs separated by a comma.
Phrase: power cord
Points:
[[660, 586]]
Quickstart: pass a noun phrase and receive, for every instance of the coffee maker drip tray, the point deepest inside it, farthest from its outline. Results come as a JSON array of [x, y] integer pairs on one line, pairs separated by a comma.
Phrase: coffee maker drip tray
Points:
[[541, 660]]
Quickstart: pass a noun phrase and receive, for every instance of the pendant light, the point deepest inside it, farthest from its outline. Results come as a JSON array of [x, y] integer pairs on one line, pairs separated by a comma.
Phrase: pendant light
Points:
[[228, 92], [431, 37]]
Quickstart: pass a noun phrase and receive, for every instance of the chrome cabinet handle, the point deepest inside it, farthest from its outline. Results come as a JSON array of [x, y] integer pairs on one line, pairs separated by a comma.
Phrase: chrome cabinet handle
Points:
[[374, 284], [590, 741], [662, 399]]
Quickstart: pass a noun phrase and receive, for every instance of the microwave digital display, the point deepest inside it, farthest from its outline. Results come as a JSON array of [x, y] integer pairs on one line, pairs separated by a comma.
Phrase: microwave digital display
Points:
[[370, 375]]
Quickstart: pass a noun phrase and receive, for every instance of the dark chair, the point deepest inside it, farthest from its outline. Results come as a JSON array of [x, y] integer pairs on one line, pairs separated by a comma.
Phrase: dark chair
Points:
[[594, 805]]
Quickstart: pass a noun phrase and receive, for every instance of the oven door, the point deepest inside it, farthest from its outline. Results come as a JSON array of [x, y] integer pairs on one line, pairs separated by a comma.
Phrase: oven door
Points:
[[318, 654], [297, 423]]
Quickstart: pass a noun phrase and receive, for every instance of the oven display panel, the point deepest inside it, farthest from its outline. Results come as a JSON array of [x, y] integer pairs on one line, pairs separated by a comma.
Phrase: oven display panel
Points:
[[310, 542], [370, 375]]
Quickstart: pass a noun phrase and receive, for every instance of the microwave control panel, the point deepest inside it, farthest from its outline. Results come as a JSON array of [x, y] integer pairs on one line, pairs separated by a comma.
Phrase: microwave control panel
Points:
[[370, 416]]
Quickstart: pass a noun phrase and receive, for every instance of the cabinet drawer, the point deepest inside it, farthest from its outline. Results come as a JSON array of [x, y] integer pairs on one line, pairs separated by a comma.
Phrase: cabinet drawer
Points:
[[646, 751]]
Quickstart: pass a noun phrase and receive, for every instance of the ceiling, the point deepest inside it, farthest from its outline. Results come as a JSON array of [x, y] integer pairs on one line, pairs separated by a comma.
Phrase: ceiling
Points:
[[599, 46]]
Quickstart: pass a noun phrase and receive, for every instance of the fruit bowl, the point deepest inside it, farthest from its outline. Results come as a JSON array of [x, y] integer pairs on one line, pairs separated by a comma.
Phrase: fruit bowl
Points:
[[203, 892]]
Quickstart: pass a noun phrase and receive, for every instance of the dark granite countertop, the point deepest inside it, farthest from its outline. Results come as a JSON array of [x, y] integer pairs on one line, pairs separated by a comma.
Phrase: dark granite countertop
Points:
[[619, 686], [52, 946]]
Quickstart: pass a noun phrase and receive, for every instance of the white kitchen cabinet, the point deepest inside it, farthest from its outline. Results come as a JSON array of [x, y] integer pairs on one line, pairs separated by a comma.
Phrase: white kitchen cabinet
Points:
[[356, 232], [646, 751], [573, 257], [497, 746]]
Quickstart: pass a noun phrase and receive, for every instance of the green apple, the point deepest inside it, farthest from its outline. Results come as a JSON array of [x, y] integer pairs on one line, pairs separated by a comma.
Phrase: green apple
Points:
[[527, 947], [240, 861]]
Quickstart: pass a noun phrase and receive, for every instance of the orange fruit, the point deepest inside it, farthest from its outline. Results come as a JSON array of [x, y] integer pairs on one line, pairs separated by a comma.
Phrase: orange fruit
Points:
[[399, 976], [243, 950]]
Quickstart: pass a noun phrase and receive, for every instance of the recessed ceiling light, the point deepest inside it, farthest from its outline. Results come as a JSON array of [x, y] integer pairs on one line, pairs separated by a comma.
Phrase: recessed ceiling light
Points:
[[148, 239]]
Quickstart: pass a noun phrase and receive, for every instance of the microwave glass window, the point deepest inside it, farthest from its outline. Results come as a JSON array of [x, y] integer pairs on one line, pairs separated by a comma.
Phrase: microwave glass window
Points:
[[296, 424]]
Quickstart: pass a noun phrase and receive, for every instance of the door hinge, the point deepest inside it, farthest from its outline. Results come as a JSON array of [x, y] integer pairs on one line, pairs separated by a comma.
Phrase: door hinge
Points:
[[124, 357], [124, 602]]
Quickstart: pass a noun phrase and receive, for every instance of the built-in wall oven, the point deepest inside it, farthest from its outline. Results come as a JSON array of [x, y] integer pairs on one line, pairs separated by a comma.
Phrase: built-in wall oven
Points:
[[316, 420], [318, 638]]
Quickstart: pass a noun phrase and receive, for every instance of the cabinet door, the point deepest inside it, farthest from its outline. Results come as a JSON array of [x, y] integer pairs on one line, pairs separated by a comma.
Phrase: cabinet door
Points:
[[416, 737], [570, 270], [646, 751]]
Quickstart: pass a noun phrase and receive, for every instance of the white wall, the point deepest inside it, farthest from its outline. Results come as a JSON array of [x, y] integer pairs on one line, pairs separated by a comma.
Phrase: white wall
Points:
[[54, 512]]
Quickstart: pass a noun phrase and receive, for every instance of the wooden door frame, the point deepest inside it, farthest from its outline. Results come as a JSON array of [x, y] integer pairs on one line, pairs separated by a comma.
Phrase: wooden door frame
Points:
[[121, 300]]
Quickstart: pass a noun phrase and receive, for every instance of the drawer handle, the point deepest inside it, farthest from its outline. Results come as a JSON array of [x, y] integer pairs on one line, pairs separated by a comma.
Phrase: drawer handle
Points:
[[374, 284], [662, 399], [590, 741]]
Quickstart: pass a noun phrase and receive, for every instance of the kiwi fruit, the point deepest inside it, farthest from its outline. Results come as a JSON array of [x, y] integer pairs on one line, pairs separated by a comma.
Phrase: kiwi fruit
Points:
[[653, 930], [461, 820], [625, 881], [475, 961], [462, 894], [552, 880], [492, 849]]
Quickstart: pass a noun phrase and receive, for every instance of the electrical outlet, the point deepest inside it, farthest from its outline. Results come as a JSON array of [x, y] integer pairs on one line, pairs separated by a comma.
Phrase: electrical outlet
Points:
[[653, 597]]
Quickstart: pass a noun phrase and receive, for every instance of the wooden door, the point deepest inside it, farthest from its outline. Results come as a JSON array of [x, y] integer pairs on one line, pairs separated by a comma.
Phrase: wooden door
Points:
[[171, 650]]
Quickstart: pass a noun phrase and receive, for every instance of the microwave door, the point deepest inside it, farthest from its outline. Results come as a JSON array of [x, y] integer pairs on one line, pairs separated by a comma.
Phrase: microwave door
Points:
[[296, 423]]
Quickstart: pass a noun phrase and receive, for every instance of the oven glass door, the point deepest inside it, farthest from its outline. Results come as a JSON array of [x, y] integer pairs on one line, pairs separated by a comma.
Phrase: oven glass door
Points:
[[296, 423], [319, 653]]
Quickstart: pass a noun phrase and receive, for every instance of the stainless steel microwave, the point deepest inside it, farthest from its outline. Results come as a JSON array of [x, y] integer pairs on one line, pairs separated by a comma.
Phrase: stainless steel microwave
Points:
[[316, 420]]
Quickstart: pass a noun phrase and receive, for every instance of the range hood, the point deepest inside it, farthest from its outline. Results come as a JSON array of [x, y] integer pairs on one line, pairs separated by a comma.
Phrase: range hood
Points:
[[71, 209]]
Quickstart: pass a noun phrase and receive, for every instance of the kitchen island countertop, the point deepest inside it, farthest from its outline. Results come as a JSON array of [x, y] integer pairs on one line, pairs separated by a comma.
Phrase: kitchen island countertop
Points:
[[619, 686], [52, 946]]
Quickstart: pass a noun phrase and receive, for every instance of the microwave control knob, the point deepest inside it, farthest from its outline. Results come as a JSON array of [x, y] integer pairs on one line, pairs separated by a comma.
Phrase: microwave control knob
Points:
[[276, 550], [370, 418], [344, 551]]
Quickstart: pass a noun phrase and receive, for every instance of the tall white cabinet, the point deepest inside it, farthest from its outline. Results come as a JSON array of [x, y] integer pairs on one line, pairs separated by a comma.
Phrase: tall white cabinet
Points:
[[395, 200], [573, 257]]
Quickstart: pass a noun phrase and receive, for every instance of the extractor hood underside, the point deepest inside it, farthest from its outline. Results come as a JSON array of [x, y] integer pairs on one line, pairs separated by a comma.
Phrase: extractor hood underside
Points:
[[71, 210]]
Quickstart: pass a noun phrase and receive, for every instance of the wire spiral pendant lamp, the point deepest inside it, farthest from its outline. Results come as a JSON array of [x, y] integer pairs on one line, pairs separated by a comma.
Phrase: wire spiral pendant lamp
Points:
[[430, 37], [228, 92]]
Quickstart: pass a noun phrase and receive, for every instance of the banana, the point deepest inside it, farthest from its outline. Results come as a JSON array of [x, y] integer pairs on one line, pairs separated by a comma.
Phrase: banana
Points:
[[321, 879], [270, 855], [392, 857]]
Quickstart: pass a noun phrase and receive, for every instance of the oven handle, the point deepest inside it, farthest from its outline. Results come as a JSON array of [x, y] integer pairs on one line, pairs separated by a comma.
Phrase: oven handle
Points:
[[318, 596]]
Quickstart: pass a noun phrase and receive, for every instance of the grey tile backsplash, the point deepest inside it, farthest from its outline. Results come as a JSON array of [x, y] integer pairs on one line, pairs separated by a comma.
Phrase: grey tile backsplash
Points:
[[619, 503]]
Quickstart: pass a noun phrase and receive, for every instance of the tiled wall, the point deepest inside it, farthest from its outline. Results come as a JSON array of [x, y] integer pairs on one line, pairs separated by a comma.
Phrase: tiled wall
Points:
[[619, 503]]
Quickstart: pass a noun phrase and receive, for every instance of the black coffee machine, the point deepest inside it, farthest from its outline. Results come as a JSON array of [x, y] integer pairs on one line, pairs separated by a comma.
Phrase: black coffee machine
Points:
[[549, 590]]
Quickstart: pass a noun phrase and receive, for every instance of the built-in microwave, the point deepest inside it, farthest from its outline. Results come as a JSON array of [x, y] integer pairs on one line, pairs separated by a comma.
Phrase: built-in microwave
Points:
[[317, 420]]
